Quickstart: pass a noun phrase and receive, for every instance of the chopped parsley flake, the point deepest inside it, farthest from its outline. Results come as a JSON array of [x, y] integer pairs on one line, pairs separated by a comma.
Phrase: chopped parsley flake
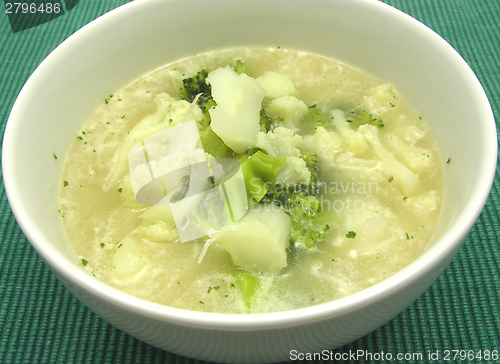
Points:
[[84, 262], [55, 156], [120, 190], [79, 137], [391, 178], [448, 161], [350, 235], [102, 245], [65, 183]]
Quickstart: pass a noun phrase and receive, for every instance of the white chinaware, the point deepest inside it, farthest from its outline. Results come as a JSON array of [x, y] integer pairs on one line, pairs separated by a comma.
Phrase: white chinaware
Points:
[[143, 35]]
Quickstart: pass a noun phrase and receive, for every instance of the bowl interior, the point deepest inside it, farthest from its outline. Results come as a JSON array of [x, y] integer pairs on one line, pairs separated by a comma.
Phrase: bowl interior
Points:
[[144, 35]]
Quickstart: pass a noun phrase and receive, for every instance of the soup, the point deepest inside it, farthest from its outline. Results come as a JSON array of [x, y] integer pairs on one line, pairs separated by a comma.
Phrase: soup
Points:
[[251, 180]]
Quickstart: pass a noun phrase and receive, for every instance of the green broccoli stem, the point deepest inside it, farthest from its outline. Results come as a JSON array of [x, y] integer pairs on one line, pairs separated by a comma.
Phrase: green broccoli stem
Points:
[[260, 171], [213, 144], [248, 286]]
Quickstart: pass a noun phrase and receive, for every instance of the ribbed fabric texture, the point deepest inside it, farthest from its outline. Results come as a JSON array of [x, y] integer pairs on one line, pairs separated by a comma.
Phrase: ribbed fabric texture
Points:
[[41, 322]]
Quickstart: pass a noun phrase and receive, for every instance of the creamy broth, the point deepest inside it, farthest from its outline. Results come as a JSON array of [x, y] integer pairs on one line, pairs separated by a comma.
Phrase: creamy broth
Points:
[[378, 223]]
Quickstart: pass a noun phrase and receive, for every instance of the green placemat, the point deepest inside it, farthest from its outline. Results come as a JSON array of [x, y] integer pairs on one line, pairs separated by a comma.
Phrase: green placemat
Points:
[[41, 322]]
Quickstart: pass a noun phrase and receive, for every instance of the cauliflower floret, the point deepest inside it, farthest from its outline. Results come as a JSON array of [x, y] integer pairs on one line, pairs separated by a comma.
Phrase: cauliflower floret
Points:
[[290, 108], [276, 85], [259, 240], [380, 100], [324, 144], [353, 141], [159, 232], [294, 171], [128, 262], [235, 119], [416, 158], [281, 142]]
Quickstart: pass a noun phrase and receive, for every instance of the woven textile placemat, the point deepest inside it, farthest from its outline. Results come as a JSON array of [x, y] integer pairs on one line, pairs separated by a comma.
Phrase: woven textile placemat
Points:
[[41, 322]]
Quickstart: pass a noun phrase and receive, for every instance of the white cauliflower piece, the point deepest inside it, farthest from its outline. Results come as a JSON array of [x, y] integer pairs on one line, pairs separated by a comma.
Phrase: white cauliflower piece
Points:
[[325, 145], [259, 240], [412, 134], [353, 141], [416, 158], [281, 142], [380, 100], [290, 108], [236, 117], [127, 260], [294, 171], [276, 85], [159, 232]]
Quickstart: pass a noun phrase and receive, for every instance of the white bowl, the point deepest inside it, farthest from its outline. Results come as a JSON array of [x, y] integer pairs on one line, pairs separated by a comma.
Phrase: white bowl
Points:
[[143, 35]]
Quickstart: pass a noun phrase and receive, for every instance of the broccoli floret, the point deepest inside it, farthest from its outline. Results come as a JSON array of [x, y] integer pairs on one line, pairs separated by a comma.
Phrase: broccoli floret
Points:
[[301, 203], [265, 121], [364, 117], [312, 164], [315, 117], [196, 85], [303, 211], [240, 68], [260, 171]]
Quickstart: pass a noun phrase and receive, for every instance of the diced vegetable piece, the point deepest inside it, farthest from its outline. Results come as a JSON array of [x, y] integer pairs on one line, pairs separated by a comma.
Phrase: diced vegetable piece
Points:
[[127, 260], [248, 286], [290, 108], [259, 240], [236, 117], [259, 171], [276, 85], [294, 172]]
